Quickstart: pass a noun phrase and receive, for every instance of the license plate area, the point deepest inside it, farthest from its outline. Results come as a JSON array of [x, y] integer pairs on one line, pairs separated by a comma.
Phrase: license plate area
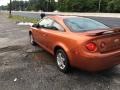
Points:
[[107, 44]]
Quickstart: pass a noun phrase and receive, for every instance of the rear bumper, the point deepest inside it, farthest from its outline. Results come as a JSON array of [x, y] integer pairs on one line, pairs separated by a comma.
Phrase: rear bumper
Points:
[[96, 62]]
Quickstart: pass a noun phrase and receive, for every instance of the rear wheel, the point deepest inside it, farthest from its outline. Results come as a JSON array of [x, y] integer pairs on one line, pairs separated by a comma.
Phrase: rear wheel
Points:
[[32, 40], [62, 61]]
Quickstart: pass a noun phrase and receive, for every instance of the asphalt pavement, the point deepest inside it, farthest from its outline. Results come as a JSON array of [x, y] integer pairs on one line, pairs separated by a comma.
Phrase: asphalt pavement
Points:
[[25, 67]]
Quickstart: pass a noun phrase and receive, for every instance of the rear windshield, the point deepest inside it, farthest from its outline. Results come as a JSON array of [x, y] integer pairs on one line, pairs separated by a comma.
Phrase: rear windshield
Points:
[[79, 24]]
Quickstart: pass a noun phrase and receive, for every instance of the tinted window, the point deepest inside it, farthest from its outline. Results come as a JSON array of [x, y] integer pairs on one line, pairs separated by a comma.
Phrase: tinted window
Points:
[[46, 23], [57, 26], [78, 24]]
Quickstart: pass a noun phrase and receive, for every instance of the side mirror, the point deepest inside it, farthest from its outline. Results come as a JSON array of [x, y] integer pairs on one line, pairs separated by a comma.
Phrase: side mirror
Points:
[[36, 25]]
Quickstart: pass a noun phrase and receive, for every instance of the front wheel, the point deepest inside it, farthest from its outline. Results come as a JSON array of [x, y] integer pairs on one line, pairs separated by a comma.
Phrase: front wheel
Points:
[[32, 40], [62, 61]]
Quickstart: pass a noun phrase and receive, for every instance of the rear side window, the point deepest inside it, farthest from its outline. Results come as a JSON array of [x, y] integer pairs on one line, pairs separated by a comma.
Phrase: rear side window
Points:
[[50, 24], [57, 26], [78, 24]]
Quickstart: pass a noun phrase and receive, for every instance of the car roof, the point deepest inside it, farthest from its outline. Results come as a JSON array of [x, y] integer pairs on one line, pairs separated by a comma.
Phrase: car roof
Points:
[[67, 16], [63, 16]]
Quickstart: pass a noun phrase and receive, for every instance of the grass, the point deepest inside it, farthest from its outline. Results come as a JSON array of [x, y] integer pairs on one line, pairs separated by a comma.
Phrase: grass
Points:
[[23, 19]]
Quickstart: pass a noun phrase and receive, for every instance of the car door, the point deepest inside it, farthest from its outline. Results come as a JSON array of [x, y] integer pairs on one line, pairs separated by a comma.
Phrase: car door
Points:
[[45, 24], [52, 35]]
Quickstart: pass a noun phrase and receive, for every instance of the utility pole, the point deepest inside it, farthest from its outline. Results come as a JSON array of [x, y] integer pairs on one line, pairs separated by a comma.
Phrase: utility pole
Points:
[[99, 8], [57, 3], [48, 5], [10, 9], [19, 6]]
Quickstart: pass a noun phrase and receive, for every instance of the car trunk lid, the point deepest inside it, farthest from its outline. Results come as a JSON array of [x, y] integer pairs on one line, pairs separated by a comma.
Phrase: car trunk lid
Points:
[[107, 40]]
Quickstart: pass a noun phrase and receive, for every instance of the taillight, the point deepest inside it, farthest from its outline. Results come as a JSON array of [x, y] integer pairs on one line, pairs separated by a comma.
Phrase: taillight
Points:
[[91, 46]]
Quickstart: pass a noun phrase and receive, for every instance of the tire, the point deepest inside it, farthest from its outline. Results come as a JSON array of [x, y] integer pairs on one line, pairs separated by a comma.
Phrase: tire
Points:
[[62, 61], [32, 40]]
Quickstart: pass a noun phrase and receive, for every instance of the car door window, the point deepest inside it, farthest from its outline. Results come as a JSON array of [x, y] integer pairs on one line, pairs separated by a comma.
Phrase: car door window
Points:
[[57, 26], [46, 23]]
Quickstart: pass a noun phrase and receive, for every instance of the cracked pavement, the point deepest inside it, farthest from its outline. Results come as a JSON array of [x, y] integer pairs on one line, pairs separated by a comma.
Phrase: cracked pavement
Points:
[[25, 67]]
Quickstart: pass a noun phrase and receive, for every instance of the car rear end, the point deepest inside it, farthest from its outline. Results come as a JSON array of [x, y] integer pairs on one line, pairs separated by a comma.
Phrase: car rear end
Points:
[[101, 50], [98, 46]]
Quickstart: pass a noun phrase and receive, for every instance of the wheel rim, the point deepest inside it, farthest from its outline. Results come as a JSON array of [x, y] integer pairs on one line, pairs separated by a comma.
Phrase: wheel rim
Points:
[[61, 60], [31, 39]]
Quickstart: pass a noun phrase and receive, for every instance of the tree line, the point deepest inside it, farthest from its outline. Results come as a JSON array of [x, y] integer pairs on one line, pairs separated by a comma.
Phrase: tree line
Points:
[[89, 5], [66, 5]]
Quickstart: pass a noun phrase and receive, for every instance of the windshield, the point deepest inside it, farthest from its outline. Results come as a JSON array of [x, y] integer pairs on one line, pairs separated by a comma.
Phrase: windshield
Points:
[[79, 24]]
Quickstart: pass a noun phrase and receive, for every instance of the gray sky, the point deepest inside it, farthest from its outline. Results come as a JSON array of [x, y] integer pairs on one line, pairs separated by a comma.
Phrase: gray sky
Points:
[[4, 2]]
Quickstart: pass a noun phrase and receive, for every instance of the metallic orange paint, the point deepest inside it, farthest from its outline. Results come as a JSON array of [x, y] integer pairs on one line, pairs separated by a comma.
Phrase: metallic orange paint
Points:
[[74, 44]]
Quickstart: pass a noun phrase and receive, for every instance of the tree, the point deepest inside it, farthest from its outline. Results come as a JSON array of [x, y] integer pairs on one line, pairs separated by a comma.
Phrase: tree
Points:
[[18, 5], [67, 5], [45, 5], [78, 5], [114, 6]]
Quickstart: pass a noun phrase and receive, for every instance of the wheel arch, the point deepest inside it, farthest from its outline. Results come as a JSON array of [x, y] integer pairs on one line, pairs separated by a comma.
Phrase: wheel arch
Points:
[[56, 48], [63, 47], [30, 32]]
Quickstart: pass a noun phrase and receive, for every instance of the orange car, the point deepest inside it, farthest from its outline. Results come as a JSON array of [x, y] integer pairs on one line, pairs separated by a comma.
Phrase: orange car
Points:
[[78, 42]]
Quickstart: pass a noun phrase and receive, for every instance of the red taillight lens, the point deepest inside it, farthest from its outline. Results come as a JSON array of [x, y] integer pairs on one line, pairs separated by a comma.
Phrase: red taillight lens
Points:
[[91, 46]]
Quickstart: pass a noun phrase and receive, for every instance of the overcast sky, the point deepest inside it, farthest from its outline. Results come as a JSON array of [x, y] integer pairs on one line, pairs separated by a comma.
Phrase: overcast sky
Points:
[[4, 2]]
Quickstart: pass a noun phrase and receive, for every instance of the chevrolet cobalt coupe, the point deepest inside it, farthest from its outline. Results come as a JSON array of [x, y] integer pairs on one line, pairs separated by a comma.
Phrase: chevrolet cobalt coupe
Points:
[[78, 42]]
